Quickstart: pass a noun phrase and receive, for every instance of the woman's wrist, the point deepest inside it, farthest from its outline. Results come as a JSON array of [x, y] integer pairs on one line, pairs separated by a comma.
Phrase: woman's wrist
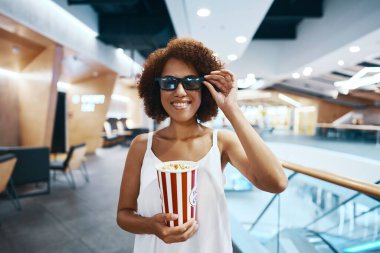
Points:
[[149, 225], [230, 110]]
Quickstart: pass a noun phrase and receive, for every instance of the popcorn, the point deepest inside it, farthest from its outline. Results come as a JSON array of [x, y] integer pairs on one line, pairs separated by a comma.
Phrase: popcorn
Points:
[[175, 166]]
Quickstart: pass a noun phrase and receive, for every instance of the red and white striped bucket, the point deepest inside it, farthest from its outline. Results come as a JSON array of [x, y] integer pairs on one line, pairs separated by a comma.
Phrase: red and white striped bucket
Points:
[[178, 189]]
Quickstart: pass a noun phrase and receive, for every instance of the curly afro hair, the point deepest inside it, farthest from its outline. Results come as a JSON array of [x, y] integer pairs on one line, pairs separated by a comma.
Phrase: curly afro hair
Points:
[[193, 53]]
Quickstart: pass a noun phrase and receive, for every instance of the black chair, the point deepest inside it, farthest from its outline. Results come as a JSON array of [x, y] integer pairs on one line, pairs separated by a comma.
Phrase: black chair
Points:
[[134, 133], [7, 165], [32, 166], [75, 159]]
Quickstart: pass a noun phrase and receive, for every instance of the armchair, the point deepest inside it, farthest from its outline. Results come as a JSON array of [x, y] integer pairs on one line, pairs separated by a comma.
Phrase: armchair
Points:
[[74, 160], [32, 166], [7, 164]]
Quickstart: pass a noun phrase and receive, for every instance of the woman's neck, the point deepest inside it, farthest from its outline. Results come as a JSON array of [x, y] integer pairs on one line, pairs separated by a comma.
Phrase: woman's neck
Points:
[[182, 130]]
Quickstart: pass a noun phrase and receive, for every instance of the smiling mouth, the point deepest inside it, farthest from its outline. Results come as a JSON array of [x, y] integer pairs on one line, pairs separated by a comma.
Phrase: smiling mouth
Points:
[[181, 105]]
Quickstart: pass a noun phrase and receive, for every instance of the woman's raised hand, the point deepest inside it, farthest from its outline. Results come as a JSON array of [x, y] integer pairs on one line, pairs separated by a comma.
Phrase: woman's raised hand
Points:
[[172, 234], [224, 81]]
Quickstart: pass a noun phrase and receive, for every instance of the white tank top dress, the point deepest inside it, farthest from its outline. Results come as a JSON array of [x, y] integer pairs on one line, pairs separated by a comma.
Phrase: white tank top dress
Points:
[[214, 234]]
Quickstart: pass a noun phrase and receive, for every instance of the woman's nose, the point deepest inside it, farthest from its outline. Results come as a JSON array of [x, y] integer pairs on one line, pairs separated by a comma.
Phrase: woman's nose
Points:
[[180, 91]]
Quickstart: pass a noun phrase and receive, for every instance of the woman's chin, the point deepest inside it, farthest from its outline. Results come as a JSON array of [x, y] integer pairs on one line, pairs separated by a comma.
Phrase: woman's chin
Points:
[[183, 118]]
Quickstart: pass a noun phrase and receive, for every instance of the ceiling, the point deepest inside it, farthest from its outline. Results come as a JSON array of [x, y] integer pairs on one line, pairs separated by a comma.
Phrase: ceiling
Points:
[[283, 37], [19, 45], [143, 25], [146, 25]]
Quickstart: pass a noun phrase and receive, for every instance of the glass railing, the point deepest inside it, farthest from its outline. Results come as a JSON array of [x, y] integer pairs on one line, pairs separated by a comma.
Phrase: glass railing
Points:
[[316, 216]]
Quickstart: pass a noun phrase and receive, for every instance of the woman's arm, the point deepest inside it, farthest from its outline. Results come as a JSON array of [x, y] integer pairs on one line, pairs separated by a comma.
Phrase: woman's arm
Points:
[[245, 150], [127, 216]]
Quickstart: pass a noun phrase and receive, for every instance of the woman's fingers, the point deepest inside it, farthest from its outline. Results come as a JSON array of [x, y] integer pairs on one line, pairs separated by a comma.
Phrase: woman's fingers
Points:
[[173, 234], [191, 231], [228, 75], [222, 87], [183, 236], [212, 90], [179, 230], [168, 217], [216, 78], [223, 79]]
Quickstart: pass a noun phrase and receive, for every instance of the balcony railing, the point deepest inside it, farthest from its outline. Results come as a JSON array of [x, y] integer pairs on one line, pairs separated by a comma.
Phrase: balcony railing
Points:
[[320, 212]]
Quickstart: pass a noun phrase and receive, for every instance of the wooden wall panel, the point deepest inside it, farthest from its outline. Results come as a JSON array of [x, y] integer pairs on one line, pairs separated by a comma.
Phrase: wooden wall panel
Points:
[[9, 120], [328, 112], [37, 97], [26, 51], [87, 127], [134, 107]]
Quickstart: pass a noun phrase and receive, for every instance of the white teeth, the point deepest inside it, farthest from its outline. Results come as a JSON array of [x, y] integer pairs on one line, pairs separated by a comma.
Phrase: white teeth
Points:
[[180, 105]]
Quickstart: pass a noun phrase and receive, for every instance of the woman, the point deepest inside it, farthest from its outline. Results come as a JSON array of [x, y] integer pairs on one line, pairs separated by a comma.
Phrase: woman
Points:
[[185, 82]]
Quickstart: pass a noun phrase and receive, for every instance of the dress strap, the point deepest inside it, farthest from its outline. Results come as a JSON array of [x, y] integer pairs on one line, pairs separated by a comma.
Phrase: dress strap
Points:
[[150, 138], [215, 137]]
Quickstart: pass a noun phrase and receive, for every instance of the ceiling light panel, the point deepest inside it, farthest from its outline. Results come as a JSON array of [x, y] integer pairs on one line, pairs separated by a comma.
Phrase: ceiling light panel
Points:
[[232, 57], [354, 49], [203, 12], [241, 39]]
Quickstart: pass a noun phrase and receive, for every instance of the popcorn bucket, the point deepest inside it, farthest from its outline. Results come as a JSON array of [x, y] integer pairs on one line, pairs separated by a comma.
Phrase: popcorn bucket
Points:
[[178, 186]]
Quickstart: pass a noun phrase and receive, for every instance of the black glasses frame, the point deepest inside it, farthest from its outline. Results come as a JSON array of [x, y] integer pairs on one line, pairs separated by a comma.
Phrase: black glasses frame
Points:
[[171, 83]]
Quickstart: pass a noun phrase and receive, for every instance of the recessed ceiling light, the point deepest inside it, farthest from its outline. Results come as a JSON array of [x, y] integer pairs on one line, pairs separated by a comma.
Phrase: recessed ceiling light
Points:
[[296, 75], [241, 39], [340, 62], [203, 12], [307, 71], [354, 49], [15, 50], [232, 57]]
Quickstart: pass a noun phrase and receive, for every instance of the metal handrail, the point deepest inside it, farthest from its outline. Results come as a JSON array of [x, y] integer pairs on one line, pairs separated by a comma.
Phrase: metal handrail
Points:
[[357, 185], [350, 183]]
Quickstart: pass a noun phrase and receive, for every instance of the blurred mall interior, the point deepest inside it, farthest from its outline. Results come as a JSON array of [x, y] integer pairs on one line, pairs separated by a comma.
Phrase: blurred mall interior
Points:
[[308, 73]]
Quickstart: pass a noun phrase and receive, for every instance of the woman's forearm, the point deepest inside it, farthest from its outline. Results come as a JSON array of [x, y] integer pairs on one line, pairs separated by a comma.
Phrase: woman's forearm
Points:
[[265, 167], [130, 221]]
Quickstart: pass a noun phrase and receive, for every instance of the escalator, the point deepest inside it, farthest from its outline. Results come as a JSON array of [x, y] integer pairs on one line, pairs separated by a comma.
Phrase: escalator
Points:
[[316, 214]]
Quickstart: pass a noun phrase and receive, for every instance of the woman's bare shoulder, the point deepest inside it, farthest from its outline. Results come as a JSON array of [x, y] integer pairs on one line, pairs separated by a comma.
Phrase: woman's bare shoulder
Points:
[[138, 146], [226, 135]]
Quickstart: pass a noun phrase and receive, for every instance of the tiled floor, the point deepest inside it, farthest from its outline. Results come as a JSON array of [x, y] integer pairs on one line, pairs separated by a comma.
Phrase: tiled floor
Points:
[[81, 220]]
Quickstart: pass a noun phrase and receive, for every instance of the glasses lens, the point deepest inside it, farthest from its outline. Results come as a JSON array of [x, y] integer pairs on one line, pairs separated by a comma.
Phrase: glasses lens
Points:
[[168, 83], [192, 82]]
